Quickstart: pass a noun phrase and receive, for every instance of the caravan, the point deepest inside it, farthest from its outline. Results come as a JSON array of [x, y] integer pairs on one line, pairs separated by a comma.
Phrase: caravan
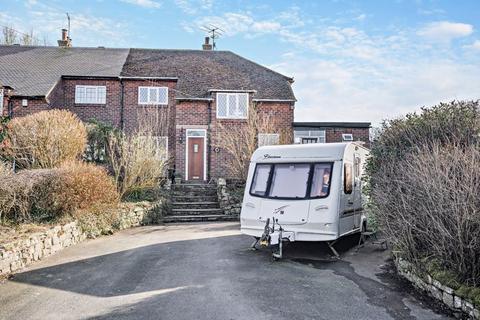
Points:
[[306, 192]]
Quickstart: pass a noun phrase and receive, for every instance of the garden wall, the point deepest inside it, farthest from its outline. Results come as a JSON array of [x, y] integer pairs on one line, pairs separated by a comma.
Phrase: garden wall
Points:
[[437, 290], [20, 253], [231, 205]]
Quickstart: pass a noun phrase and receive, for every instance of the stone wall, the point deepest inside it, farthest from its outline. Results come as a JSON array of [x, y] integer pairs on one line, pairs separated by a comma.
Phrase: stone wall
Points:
[[229, 204], [435, 289], [18, 254]]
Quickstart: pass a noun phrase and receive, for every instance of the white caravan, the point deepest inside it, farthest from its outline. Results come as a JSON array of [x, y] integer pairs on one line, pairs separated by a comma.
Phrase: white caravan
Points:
[[304, 192]]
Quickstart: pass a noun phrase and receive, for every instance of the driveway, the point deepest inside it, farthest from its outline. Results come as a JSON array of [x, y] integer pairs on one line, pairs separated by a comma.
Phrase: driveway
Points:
[[205, 271]]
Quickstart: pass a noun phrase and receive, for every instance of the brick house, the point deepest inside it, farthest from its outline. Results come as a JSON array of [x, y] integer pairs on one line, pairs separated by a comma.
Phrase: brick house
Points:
[[327, 132], [193, 92]]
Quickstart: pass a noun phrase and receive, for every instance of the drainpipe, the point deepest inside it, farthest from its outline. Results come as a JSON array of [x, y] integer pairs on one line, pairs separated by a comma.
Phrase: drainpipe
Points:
[[122, 122], [209, 140]]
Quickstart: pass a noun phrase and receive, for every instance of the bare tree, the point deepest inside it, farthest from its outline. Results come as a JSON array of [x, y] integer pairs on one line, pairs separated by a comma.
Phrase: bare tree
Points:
[[139, 159], [9, 36], [240, 140]]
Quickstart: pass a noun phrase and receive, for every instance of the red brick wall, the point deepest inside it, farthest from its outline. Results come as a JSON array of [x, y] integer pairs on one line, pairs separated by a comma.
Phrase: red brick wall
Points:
[[195, 114], [359, 134], [165, 115], [34, 105], [109, 112]]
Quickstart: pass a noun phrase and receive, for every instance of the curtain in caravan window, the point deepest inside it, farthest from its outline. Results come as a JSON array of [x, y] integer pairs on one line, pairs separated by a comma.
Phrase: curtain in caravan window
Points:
[[347, 178], [260, 179], [290, 181], [321, 180]]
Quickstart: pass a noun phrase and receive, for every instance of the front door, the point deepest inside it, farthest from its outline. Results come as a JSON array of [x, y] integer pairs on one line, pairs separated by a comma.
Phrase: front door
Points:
[[196, 160]]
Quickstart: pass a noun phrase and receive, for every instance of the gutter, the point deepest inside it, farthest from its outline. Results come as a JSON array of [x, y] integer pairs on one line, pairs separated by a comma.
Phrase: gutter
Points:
[[274, 100], [224, 90], [194, 99]]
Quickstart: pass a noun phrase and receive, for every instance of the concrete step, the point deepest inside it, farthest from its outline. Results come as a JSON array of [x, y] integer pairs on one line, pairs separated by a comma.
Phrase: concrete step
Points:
[[194, 193], [196, 205], [200, 218], [193, 187], [200, 198], [194, 211]]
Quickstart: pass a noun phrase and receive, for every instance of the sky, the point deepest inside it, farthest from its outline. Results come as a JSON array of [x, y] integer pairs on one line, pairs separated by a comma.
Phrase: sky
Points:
[[351, 60]]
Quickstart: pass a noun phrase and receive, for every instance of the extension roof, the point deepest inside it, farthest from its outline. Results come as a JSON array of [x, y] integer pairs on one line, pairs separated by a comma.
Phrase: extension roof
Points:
[[34, 71]]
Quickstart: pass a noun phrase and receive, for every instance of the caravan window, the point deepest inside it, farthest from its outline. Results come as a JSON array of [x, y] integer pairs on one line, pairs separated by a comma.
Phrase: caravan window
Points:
[[260, 179], [347, 178], [289, 181], [321, 180], [292, 180]]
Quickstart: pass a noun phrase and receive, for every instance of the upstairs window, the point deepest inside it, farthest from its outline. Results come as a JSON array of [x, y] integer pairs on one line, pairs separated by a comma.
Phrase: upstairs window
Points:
[[153, 95], [232, 105], [268, 139], [90, 94]]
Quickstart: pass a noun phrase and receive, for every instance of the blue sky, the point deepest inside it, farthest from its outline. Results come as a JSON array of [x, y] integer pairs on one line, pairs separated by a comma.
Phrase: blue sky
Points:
[[351, 60]]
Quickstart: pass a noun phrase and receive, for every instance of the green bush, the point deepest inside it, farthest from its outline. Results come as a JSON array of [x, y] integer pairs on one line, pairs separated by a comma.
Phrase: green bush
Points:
[[424, 182]]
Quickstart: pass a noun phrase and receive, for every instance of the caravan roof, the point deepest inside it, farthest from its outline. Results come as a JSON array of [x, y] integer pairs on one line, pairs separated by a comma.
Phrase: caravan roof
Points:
[[302, 152]]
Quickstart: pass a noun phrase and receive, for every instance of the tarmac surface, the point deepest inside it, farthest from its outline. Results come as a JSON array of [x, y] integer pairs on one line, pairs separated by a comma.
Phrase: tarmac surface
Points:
[[208, 271]]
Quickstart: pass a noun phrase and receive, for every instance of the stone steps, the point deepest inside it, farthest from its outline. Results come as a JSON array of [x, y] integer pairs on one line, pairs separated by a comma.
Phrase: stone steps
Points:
[[196, 205], [195, 212], [199, 218], [200, 198], [195, 202]]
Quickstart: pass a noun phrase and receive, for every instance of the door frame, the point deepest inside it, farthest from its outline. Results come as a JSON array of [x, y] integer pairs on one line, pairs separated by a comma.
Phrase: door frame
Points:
[[204, 152]]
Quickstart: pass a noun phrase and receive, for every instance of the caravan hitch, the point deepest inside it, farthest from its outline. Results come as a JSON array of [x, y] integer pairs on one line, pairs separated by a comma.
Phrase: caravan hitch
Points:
[[265, 238]]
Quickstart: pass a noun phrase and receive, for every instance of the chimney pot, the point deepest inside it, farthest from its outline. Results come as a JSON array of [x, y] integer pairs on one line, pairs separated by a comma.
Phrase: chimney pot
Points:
[[66, 41], [64, 34], [207, 46]]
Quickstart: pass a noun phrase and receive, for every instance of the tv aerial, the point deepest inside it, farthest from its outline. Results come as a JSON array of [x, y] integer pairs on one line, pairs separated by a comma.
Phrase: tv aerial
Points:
[[213, 32]]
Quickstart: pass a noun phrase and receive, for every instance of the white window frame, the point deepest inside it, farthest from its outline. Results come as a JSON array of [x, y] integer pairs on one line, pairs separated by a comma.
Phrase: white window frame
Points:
[[300, 134], [1, 102], [267, 136], [97, 100], [347, 136], [149, 101], [237, 95]]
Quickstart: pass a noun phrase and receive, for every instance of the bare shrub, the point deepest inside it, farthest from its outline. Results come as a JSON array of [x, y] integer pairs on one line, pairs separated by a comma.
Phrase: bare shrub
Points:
[[45, 194], [240, 140], [45, 139], [140, 159], [431, 208], [424, 186]]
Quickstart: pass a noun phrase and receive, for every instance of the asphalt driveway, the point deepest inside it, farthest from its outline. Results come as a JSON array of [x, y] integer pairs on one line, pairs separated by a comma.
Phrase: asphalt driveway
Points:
[[205, 271]]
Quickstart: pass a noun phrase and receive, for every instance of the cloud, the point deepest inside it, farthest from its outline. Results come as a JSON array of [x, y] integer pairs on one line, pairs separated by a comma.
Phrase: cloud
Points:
[[144, 3], [339, 91], [475, 46], [46, 20], [192, 7], [445, 31]]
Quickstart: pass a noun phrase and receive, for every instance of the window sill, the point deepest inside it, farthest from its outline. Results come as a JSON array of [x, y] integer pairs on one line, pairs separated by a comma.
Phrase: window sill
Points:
[[90, 104]]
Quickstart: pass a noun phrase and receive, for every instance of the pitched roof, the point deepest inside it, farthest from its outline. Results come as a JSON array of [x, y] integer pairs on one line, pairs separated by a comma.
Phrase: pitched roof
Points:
[[33, 71], [199, 71]]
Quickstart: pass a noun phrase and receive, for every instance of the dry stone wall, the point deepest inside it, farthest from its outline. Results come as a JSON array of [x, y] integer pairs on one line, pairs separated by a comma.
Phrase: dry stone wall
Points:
[[19, 253], [435, 289]]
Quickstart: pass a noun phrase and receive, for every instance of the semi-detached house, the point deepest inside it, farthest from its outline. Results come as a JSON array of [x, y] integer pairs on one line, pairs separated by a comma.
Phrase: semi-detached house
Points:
[[196, 94]]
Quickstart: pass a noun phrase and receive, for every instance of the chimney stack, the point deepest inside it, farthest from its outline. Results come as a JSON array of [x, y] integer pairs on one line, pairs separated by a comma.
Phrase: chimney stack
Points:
[[207, 45], [66, 41]]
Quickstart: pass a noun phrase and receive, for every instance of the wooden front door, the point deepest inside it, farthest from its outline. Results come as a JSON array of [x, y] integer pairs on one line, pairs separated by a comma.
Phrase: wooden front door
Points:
[[196, 158]]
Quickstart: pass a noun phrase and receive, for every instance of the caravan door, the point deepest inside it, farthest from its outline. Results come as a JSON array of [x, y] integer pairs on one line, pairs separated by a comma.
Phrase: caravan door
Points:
[[347, 203]]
